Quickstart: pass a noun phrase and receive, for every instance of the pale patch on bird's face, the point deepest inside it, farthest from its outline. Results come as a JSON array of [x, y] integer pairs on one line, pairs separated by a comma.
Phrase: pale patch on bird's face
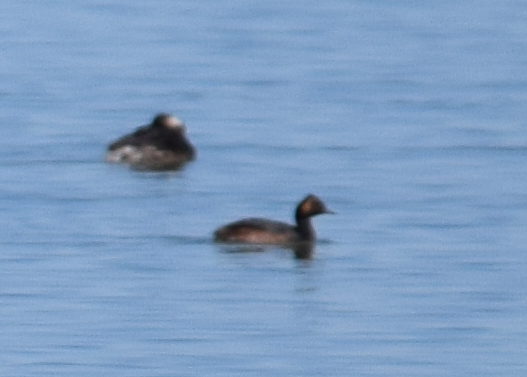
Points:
[[173, 122]]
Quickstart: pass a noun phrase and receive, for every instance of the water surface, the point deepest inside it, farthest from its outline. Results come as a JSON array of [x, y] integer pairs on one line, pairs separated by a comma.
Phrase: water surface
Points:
[[407, 118]]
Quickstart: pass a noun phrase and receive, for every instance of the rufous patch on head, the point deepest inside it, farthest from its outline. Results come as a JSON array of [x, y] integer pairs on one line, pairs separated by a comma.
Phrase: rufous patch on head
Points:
[[307, 206]]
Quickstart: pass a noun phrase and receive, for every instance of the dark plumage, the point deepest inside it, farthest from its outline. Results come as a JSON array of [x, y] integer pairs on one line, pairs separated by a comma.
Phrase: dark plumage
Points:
[[264, 231], [161, 145]]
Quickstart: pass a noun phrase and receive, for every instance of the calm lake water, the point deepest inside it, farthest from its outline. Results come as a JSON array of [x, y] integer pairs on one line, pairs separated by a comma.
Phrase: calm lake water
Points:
[[408, 118]]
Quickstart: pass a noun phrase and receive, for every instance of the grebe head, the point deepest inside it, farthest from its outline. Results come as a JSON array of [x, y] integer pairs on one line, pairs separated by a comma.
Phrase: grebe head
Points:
[[311, 205], [168, 121]]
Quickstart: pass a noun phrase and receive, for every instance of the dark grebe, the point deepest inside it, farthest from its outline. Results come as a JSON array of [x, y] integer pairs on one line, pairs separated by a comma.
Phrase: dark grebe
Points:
[[161, 145], [263, 231]]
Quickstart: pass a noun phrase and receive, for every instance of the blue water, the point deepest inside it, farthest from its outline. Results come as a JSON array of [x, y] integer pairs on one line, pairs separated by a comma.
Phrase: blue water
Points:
[[408, 118]]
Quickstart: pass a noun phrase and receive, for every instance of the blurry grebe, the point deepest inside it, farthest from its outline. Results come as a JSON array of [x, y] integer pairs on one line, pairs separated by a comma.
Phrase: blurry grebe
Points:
[[270, 232], [161, 145]]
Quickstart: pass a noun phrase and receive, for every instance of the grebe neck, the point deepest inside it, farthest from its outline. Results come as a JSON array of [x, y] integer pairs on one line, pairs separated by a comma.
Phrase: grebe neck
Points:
[[305, 228]]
